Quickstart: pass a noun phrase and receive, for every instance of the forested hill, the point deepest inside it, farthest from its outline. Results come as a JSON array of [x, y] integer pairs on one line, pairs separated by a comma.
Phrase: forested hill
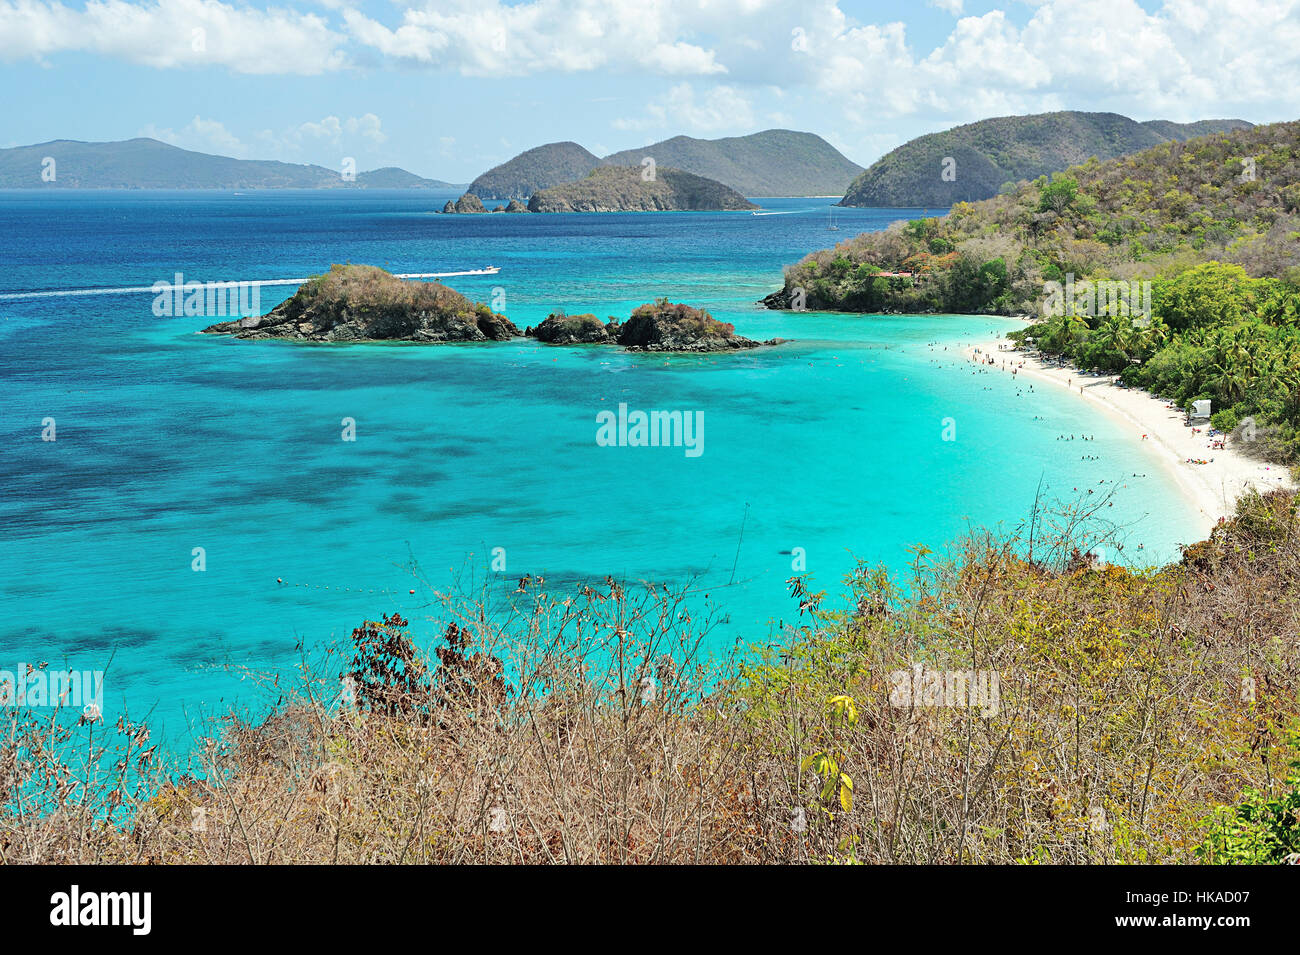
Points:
[[972, 162], [1232, 197], [1205, 235], [539, 168], [625, 189]]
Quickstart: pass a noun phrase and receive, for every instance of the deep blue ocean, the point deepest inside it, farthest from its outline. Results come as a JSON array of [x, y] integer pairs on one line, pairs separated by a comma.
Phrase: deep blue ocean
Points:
[[167, 441]]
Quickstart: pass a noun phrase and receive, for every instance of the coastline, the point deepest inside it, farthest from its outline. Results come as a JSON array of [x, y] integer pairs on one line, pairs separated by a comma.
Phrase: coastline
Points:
[[1211, 489]]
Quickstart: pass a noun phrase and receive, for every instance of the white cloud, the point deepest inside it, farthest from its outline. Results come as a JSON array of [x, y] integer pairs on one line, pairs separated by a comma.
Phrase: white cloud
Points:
[[492, 38], [332, 129], [717, 109], [1188, 59], [1181, 59], [173, 34], [306, 139], [202, 135]]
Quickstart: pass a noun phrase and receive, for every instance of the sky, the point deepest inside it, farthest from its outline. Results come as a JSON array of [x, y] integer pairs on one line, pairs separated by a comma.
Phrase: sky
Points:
[[449, 88]]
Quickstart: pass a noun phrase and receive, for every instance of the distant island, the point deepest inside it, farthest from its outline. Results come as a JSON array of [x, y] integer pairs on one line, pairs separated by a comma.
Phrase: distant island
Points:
[[469, 204], [364, 303], [977, 160], [149, 164], [774, 162], [625, 189], [359, 303], [534, 169], [621, 189]]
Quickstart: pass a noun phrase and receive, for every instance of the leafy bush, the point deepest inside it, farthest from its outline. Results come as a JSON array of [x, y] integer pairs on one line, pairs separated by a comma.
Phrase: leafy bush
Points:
[[1260, 830]]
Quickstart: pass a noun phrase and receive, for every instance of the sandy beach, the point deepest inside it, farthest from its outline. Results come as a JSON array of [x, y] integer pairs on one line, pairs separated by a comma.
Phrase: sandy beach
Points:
[[1211, 488]]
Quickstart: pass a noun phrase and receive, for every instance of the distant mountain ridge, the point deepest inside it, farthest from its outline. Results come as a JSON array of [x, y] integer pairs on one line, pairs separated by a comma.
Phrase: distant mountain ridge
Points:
[[149, 164], [990, 153], [774, 162]]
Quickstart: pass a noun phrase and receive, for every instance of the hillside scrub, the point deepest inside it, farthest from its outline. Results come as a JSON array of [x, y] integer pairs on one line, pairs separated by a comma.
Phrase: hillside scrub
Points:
[[1136, 716], [1205, 235], [624, 189], [989, 155], [1231, 197]]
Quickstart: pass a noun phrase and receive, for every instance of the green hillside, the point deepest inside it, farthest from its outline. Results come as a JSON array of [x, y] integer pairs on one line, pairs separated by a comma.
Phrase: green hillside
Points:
[[987, 155], [624, 189], [539, 168], [1213, 225]]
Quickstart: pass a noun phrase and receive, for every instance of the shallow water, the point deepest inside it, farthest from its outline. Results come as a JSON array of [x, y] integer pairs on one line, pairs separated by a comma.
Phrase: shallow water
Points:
[[168, 441]]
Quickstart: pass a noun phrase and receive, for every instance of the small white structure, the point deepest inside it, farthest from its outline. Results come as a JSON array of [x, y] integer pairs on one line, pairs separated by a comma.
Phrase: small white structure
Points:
[[1201, 409]]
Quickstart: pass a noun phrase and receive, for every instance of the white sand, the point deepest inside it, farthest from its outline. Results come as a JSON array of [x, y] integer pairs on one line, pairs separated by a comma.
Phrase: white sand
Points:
[[1211, 489]]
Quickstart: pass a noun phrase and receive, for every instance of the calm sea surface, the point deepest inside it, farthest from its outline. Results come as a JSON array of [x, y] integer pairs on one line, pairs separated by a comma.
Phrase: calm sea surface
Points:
[[167, 441]]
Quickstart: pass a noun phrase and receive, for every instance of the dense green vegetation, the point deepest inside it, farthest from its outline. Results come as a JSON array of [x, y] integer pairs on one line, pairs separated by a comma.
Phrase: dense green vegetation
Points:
[[1232, 197], [627, 189], [993, 153], [1213, 225], [1264, 829], [1215, 333]]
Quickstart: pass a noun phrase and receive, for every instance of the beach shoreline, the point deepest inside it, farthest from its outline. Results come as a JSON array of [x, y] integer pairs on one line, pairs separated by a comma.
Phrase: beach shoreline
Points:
[[1212, 489]]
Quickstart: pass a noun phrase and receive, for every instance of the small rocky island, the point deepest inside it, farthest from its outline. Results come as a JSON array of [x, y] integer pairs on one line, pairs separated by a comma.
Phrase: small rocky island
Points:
[[363, 303], [624, 189], [359, 303], [470, 204], [663, 326], [621, 189]]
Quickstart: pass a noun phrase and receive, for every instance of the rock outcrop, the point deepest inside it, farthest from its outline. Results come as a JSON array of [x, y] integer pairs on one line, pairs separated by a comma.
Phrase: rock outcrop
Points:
[[665, 326], [466, 203], [561, 329], [360, 303], [660, 327]]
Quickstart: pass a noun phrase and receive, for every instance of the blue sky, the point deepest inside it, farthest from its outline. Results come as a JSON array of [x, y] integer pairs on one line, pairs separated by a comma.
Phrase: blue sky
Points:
[[448, 88]]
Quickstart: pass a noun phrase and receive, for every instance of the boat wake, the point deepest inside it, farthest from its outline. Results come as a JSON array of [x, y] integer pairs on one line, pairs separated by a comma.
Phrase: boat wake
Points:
[[168, 287]]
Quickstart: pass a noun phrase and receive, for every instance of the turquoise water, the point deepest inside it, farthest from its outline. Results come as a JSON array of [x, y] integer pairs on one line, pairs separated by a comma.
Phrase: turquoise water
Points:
[[168, 441]]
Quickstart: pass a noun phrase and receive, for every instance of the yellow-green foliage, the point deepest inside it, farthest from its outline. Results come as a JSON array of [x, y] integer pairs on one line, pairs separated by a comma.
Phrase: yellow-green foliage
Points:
[[1137, 716], [369, 285]]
